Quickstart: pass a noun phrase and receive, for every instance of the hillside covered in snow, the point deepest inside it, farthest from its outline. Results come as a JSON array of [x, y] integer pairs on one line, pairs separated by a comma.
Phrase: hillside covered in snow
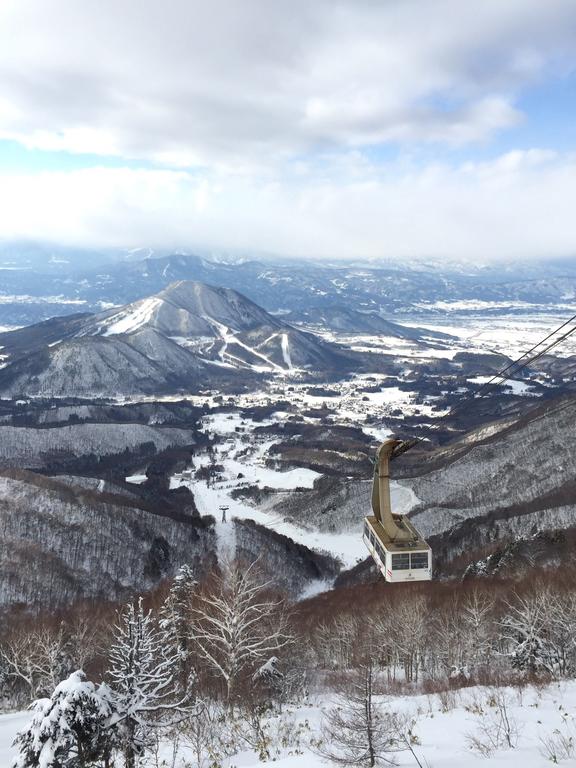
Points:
[[189, 337]]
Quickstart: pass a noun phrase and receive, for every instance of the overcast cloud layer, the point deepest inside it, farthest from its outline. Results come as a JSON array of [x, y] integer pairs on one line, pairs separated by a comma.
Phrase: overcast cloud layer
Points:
[[308, 128]]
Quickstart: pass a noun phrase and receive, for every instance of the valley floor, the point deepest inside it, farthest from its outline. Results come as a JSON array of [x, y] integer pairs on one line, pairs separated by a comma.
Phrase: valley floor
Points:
[[244, 464], [443, 726]]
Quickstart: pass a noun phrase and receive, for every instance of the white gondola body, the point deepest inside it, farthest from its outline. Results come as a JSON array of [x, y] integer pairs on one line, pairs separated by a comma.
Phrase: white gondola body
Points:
[[394, 563]]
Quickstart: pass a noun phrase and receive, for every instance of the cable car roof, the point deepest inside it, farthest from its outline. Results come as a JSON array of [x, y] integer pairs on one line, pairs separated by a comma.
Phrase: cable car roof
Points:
[[416, 543]]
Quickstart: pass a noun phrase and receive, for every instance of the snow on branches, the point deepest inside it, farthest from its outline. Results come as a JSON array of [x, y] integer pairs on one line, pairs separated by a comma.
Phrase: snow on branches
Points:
[[143, 680], [236, 626], [68, 729]]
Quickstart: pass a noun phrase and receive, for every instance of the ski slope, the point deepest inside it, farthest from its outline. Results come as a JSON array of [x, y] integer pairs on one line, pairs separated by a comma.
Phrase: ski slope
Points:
[[244, 465], [139, 315]]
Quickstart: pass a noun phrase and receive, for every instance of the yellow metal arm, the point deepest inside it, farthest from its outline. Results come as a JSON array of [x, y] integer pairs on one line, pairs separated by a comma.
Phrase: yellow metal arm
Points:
[[381, 505]]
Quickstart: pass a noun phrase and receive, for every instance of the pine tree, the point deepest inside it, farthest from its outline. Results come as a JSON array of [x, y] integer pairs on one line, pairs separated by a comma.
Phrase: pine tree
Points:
[[143, 677], [69, 730], [174, 622]]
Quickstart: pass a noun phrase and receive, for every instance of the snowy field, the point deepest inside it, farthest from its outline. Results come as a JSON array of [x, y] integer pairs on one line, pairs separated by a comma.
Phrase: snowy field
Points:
[[243, 463], [505, 333], [367, 401], [444, 727], [9, 726], [25, 299], [352, 405]]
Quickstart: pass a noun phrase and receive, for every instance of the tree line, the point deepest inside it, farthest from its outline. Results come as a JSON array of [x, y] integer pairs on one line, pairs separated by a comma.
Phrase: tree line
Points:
[[205, 664]]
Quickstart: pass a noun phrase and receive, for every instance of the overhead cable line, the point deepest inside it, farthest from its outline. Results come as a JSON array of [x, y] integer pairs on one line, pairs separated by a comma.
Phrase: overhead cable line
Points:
[[513, 364], [503, 375], [515, 367]]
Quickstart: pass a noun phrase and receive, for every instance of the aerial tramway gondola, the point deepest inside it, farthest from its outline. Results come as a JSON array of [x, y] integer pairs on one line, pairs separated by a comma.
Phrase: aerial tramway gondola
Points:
[[398, 550]]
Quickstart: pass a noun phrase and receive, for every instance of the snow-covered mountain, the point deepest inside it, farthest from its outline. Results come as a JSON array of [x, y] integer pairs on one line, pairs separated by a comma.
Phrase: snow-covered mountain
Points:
[[302, 285], [188, 337], [502, 482], [63, 282], [95, 539], [186, 309], [86, 543], [222, 326], [343, 319]]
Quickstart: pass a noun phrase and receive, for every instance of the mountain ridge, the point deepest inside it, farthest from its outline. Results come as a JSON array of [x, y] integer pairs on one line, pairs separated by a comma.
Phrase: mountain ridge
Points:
[[32, 294], [189, 336]]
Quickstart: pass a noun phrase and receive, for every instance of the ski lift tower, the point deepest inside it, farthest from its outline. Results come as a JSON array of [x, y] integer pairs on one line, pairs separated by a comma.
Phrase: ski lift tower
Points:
[[398, 550]]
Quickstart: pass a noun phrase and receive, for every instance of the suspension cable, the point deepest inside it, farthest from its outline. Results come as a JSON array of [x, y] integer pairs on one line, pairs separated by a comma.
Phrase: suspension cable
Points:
[[503, 375]]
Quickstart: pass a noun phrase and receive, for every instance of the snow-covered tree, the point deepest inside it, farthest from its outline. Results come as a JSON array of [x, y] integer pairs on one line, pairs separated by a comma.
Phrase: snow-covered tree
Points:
[[84, 635], [174, 620], [143, 681], [478, 610], [411, 633], [236, 626], [336, 641], [268, 681], [524, 629], [204, 736], [379, 630], [446, 644], [69, 729], [37, 658], [562, 633]]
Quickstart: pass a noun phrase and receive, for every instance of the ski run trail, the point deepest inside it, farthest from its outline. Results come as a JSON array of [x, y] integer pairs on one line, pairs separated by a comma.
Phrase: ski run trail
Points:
[[247, 460]]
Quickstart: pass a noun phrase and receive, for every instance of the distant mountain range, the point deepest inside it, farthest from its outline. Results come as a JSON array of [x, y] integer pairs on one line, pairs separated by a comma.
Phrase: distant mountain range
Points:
[[38, 284], [188, 337]]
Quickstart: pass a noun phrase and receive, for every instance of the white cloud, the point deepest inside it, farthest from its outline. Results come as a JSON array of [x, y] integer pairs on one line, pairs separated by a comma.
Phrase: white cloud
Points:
[[271, 110], [518, 205], [246, 82]]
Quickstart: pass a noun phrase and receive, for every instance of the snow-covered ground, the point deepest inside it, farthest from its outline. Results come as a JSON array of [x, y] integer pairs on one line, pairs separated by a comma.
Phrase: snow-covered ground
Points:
[[390, 345], [368, 401], [476, 305], [133, 318], [25, 299], [9, 726], [352, 405], [517, 387], [443, 727], [137, 479], [243, 462], [506, 333]]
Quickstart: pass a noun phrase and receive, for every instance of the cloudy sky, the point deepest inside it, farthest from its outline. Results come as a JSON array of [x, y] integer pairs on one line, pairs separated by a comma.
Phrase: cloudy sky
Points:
[[329, 128]]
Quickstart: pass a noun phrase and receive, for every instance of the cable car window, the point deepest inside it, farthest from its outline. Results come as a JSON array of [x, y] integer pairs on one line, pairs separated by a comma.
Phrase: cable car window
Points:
[[419, 560], [401, 562]]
